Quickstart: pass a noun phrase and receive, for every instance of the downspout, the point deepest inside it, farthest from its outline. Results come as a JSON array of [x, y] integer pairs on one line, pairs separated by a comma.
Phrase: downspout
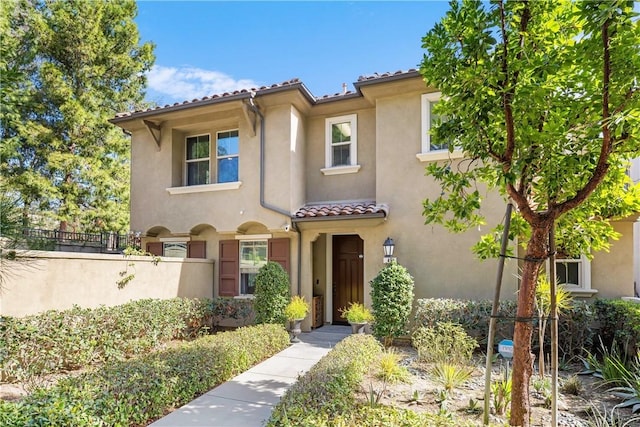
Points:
[[263, 203]]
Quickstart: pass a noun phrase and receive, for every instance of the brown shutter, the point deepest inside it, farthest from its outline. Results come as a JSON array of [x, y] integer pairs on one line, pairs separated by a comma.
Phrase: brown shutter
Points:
[[229, 265], [155, 248], [279, 252], [197, 249]]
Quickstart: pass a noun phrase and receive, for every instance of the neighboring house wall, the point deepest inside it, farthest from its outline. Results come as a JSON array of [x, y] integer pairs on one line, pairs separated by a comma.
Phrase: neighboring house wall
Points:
[[612, 272], [60, 280]]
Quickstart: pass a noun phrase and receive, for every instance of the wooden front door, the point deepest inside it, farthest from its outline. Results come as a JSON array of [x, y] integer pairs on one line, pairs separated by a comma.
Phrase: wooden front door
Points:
[[348, 273]]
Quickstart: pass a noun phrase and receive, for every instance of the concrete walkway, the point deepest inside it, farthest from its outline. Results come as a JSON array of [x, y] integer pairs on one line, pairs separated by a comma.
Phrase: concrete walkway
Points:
[[247, 400]]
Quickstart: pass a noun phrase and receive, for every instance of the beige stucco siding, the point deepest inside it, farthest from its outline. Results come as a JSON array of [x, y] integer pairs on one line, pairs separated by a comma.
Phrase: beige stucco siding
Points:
[[441, 262], [611, 272], [354, 186]]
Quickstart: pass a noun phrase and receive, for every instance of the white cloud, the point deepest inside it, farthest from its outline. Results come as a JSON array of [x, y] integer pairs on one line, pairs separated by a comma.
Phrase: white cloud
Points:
[[187, 83]]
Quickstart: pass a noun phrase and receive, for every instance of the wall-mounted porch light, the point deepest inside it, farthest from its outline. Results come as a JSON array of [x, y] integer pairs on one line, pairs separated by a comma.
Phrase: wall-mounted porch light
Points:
[[388, 246]]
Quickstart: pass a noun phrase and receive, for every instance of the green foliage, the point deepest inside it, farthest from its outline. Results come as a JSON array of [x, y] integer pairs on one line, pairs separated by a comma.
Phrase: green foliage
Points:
[[357, 313], [271, 294], [329, 386], [392, 300], [443, 342], [575, 331], [297, 308], [501, 390], [542, 97], [67, 68], [450, 375], [564, 301], [64, 340], [222, 308], [619, 323], [390, 369], [139, 390]]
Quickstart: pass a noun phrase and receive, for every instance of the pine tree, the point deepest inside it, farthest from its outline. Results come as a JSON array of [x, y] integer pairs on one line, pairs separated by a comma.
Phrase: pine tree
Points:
[[72, 65]]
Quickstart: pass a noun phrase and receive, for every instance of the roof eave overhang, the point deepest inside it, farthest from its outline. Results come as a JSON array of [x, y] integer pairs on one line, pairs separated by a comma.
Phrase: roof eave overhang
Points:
[[245, 94], [337, 222]]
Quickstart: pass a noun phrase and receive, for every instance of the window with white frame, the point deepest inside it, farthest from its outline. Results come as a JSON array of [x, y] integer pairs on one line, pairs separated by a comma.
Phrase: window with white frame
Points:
[[197, 160], [227, 155], [574, 272], [253, 255], [430, 142], [341, 134]]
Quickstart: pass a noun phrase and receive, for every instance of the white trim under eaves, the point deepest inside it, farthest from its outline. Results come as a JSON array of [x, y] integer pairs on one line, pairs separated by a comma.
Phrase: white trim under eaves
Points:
[[204, 188]]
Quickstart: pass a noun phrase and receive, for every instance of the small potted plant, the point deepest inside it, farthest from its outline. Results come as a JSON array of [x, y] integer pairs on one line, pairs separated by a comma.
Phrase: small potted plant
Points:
[[296, 311], [357, 315]]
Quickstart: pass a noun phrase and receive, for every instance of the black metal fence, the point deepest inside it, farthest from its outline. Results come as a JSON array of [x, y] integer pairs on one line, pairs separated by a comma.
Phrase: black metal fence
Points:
[[57, 240]]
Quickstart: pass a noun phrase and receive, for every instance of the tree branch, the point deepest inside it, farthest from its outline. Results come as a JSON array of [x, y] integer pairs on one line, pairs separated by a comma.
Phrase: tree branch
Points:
[[602, 166]]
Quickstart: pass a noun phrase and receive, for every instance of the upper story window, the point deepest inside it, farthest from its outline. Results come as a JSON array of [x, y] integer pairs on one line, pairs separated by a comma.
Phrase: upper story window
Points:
[[227, 156], [431, 148], [197, 160], [253, 255], [341, 145]]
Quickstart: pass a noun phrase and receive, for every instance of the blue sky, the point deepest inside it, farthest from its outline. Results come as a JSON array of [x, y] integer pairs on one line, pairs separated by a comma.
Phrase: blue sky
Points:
[[208, 47]]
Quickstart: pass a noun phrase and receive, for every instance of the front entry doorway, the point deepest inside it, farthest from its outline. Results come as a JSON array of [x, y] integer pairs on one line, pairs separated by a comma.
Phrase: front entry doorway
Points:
[[348, 274]]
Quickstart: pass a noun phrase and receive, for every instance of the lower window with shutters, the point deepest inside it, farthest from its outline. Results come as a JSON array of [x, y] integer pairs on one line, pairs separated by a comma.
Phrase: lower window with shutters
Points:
[[191, 249], [240, 260]]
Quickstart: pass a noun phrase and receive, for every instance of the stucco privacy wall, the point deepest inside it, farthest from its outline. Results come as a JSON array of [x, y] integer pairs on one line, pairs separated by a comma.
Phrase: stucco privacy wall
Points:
[[58, 280]]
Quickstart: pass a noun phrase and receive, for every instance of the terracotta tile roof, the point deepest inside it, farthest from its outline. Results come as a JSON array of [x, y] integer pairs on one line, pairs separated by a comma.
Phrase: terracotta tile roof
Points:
[[341, 210], [385, 76], [220, 97], [288, 84]]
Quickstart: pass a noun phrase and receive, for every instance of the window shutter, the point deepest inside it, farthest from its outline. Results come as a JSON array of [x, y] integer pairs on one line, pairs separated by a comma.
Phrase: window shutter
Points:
[[229, 266], [279, 252], [155, 248], [197, 249]]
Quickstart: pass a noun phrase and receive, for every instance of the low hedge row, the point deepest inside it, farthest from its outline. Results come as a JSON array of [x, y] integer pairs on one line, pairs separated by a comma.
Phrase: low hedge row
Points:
[[329, 386], [578, 327], [64, 340], [140, 390]]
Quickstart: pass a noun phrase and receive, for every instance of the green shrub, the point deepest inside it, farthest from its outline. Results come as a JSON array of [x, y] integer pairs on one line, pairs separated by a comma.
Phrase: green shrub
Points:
[[223, 308], [271, 294], [329, 386], [391, 300], [64, 340], [574, 326], [381, 416], [137, 391], [619, 323], [443, 342]]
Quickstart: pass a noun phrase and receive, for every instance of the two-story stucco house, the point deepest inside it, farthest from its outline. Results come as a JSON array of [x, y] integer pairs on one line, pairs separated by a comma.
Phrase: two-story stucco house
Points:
[[318, 184]]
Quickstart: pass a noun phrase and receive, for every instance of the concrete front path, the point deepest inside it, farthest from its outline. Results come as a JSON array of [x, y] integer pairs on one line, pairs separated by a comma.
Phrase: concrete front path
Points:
[[247, 400]]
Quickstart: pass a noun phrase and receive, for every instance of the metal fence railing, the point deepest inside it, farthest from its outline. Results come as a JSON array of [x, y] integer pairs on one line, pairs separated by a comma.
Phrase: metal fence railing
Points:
[[37, 238]]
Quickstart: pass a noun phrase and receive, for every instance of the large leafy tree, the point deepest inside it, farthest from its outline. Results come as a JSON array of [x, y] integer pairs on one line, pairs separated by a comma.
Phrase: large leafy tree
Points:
[[69, 67], [542, 96]]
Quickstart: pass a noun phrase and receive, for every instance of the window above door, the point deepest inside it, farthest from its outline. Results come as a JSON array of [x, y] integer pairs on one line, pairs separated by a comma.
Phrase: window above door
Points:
[[341, 145]]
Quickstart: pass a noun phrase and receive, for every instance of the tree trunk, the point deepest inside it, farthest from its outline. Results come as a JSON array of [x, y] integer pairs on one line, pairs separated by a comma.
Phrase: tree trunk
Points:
[[536, 253]]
